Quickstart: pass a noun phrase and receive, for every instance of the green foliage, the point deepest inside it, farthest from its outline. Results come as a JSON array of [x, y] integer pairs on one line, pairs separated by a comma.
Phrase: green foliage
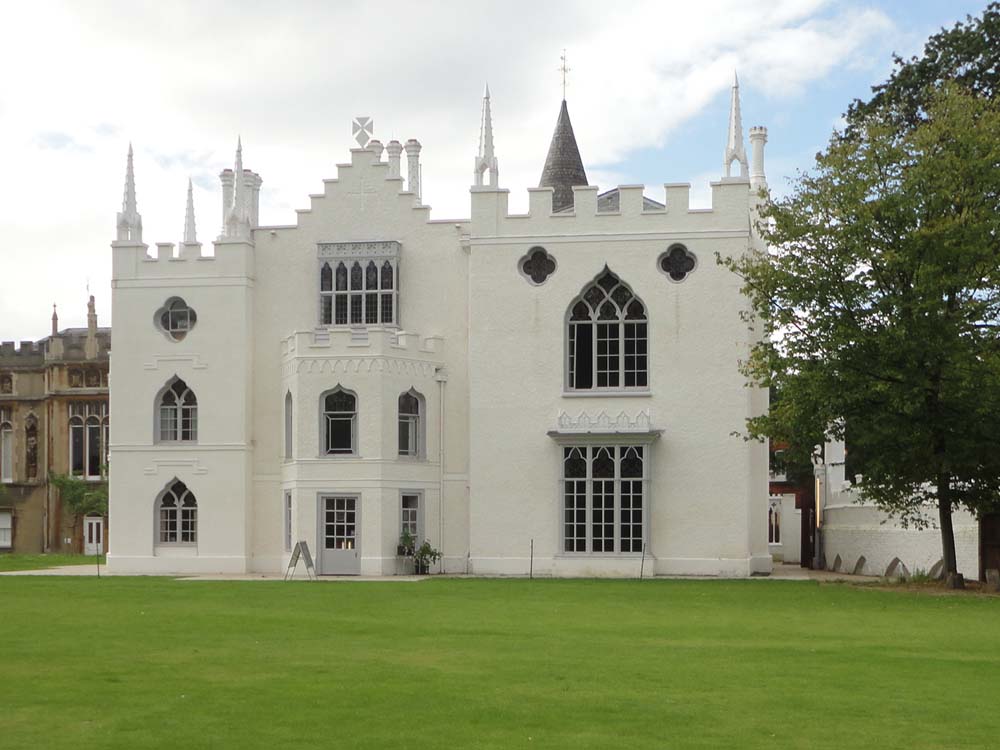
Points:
[[81, 498], [425, 555], [17, 561], [880, 305], [968, 55]]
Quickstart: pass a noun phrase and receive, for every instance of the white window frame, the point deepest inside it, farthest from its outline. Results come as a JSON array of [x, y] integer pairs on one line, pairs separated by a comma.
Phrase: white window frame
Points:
[[6, 528], [616, 334], [176, 318], [418, 535], [357, 295], [177, 422], [326, 417], [589, 450], [287, 511], [91, 419], [182, 515], [289, 425], [415, 426]]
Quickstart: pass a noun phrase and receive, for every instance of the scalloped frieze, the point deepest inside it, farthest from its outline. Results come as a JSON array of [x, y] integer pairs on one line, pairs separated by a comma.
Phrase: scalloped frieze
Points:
[[604, 422], [366, 365]]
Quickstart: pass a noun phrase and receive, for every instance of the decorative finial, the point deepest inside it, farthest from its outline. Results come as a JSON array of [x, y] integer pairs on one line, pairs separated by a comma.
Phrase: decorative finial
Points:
[[734, 142], [564, 69], [190, 237], [486, 158], [362, 129]]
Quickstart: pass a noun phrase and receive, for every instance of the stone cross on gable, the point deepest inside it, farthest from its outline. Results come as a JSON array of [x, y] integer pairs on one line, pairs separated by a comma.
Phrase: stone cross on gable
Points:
[[363, 189], [362, 129]]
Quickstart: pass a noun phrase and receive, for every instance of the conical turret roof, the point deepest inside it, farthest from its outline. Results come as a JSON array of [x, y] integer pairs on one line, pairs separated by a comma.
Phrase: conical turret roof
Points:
[[563, 166]]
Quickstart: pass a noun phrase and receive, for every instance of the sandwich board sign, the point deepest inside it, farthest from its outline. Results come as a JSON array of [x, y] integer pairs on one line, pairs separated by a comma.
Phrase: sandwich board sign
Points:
[[301, 550]]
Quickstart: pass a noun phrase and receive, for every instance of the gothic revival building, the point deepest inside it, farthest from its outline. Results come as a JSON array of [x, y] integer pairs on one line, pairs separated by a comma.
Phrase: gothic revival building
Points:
[[53, 420], [555, 389]]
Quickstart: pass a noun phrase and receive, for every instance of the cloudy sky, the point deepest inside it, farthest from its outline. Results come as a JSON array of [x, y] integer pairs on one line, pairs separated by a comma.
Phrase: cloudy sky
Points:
[[648, 95]]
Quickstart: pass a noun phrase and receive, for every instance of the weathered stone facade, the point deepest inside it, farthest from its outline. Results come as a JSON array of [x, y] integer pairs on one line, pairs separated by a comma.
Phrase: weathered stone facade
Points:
[[46, 386]]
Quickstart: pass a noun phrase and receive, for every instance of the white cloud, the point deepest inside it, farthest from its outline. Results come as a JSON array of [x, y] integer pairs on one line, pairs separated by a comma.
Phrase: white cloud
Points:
[[182, 80]]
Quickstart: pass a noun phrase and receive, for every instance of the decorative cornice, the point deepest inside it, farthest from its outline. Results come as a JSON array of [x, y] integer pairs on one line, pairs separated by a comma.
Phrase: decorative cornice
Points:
[[381, 249], [603, 422]]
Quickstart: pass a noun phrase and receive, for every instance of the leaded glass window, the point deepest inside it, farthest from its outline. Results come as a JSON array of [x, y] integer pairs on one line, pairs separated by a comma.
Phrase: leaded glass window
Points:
[[607, 338], [178, 409], [177, 318], [677, 262], [357, 293], [603, 500], [177, 515]]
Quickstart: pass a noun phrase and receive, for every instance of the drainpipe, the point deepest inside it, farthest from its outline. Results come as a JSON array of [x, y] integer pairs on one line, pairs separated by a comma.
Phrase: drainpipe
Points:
[[441, 377]]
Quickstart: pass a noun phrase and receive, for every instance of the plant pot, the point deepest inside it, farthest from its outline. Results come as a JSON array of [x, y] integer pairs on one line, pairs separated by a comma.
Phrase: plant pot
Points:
[[420, 568], [402, 551]]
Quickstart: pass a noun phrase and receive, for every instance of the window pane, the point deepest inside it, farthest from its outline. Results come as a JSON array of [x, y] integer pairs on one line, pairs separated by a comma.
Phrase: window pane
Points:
[[338, 434], [94, 449], [76, 447], [341, 302], [325, 304], [404, 436], [371, 309], [356, 275], [326, 278], [583, 372], [603, 516], [575, 516], [371, 275], [387, 275], [341, 278], [387, 316], [355, 308]]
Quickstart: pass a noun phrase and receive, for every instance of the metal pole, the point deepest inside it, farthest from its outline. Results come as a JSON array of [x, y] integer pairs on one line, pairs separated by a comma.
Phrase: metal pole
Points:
[[642, 561], [531, 561]]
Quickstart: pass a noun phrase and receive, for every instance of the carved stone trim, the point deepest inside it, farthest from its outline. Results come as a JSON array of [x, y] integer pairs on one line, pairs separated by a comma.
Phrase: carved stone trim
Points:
[[603, 422], [381, 249]]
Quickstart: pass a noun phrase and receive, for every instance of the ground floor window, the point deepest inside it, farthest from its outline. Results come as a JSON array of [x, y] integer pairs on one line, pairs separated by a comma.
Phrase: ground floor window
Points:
[[288, 522], [6, 529], [774, 523], [178, 515], [410, 516], [603, 498]]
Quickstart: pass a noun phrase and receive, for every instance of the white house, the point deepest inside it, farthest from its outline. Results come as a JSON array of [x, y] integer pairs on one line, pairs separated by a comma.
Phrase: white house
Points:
[[556, 389]]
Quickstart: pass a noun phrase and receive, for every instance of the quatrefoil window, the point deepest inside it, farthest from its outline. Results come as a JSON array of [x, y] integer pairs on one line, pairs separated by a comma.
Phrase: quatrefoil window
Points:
[[538, 265], [677, 262]]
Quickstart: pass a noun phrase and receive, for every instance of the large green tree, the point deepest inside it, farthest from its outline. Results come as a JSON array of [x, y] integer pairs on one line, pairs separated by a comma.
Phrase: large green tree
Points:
[[879, 306]]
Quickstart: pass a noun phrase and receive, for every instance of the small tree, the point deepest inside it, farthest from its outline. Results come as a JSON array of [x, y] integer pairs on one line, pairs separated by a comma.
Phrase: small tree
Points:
[[880, 306], [81, 498]]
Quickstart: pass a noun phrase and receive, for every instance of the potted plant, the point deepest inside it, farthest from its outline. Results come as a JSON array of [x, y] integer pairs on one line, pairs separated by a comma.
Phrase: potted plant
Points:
[[406, 544], [423, 557]]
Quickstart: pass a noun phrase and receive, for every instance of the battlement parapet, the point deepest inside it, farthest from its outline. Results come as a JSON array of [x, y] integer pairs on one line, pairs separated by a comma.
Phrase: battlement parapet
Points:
[[22, 353], [232, 258], [361, 343], [623, 209]]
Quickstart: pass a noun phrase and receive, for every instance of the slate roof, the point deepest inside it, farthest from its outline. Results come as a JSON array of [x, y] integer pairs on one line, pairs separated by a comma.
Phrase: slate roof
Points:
[[563, 166]]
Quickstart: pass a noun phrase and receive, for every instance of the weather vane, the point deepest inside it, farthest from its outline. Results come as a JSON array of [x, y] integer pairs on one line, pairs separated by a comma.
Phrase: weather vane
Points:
[[564, 70]]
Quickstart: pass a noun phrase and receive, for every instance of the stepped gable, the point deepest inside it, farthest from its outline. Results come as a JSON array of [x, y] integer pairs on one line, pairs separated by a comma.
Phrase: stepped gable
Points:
[[563, 165]]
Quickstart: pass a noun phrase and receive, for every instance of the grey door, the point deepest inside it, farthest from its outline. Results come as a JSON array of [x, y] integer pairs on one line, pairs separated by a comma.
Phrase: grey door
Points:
[[339, 553]]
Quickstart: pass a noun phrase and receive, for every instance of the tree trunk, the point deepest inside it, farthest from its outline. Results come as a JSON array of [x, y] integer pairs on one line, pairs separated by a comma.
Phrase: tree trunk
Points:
[[947, 531]]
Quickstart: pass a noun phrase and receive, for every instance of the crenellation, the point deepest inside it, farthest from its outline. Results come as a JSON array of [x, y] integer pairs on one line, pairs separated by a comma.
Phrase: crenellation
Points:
[[347, 341]]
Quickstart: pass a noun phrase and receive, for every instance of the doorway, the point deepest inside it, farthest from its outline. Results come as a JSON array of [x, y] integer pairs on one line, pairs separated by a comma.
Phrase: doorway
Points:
[[93, 535], [338, 531]]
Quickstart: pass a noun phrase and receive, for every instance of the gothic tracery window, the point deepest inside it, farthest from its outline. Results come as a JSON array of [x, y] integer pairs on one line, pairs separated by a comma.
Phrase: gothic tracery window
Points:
[[177, 515], [178, 413], [410, 426], [603, 498], [176, 318], [358, 292], [608, 338], [677, 262], [6, 383], [537, 265]]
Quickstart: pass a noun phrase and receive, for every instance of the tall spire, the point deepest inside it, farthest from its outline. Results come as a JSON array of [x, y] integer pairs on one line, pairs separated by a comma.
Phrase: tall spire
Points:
[[238, 222], [563, 165], [129, 221], [486, 160], [734, 144], [190, 236]]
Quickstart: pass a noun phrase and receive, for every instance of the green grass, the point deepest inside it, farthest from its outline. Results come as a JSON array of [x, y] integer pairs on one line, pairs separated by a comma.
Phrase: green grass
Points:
[[38, 562], [143, 663]]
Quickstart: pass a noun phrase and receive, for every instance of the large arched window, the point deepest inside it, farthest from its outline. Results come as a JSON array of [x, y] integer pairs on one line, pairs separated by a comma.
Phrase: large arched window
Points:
[[608, 338], [178, 412], [88, 438], [340, 421], [411, 439], [6, 446], [288, 425], [177, 515]]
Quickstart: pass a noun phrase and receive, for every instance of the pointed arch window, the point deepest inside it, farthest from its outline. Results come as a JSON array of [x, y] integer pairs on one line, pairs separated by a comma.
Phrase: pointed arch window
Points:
[[608, 338], [411, 439], [6, 445], [177, 515], [31, 447], [340, 421], [359, 287], [288, 425], [178, 413], [603, 498]]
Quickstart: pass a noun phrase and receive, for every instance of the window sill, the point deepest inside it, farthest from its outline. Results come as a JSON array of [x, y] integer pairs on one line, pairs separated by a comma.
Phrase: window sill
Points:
[[601, 555], [646, 393]]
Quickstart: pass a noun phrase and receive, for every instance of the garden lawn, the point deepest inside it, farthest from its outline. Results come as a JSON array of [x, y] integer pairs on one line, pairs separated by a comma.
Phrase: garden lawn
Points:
[[152, 662], [38, 562]]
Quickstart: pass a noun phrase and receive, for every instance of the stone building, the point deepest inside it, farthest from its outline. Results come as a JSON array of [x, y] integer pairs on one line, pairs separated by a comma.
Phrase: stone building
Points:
[[554, 391], [53, 419]]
